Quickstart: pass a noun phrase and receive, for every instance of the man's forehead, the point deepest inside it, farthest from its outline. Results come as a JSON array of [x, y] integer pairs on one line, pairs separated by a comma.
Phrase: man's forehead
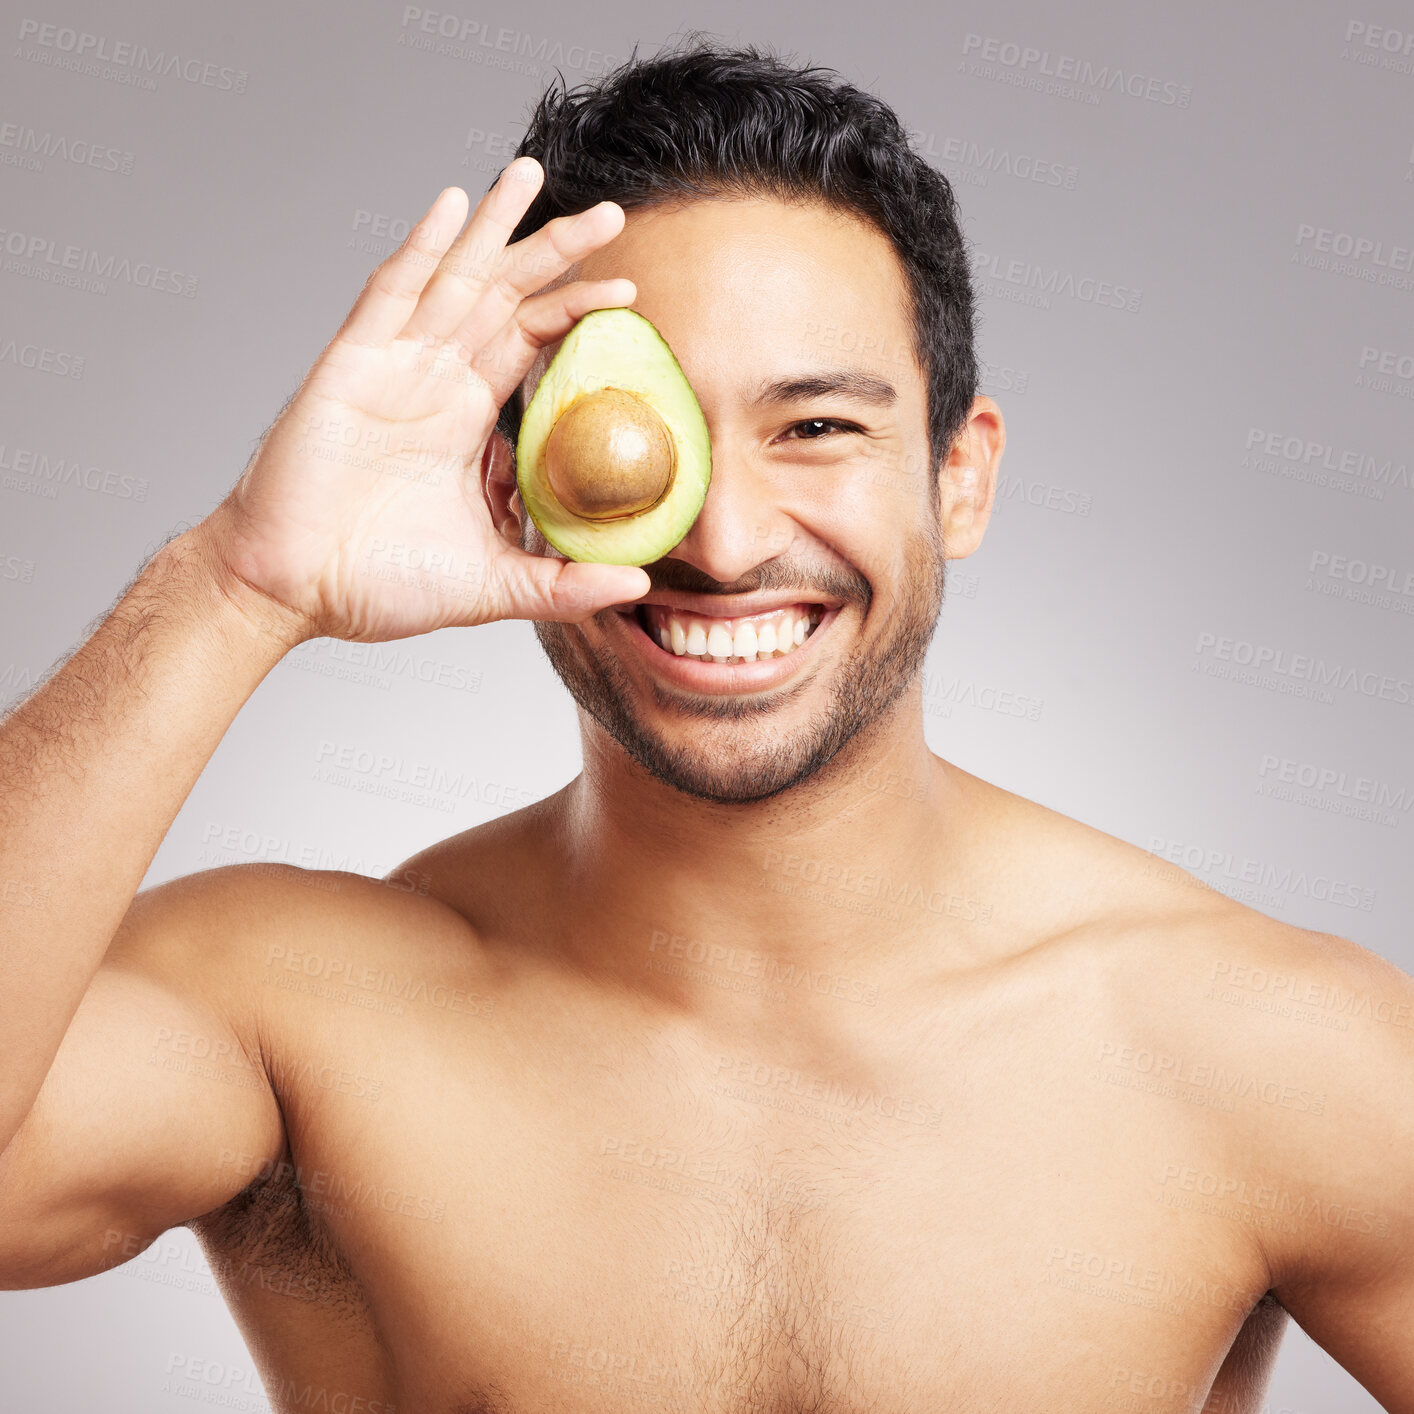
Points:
[[742, 288]]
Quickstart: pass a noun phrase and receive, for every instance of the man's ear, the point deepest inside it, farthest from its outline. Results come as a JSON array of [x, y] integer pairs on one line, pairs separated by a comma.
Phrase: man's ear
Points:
[[967, 480], [498, 482]]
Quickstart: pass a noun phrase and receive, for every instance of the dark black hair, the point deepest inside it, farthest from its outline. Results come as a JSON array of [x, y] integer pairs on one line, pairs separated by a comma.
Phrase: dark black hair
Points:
[[698, 119]]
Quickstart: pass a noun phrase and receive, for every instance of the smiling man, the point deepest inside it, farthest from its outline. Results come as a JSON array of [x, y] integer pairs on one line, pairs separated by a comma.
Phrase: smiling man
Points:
[[775, 1063], [799, 607]]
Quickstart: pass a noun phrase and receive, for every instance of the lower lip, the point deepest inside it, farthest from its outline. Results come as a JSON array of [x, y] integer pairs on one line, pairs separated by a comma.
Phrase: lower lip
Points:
[[721, 679]]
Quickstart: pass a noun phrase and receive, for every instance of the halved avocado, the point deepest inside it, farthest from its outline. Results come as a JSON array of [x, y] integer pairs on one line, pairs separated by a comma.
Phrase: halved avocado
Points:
[[613, 458]]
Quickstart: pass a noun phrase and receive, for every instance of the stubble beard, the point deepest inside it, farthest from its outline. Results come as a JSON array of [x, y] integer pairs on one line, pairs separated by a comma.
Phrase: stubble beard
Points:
[[746, 765]]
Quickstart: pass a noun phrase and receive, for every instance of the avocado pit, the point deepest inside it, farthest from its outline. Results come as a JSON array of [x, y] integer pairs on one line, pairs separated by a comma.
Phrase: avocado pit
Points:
[[609, 456]]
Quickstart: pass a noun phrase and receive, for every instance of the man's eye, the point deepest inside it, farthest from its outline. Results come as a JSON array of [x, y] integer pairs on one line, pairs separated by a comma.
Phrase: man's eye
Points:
[[819, 422]]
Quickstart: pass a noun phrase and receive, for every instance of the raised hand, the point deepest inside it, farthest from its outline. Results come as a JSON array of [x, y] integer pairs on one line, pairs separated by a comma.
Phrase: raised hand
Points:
[[363, 513]]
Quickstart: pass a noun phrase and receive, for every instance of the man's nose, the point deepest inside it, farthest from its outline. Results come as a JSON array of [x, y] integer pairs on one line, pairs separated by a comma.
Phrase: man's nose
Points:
[[741, 524]]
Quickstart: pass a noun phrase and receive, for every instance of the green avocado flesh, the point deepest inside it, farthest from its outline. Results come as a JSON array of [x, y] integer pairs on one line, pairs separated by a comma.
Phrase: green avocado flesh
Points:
[[615, 349]]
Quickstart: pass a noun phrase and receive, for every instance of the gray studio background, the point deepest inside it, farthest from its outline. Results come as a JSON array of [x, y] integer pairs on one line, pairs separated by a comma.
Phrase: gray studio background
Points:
[[1202, 468]]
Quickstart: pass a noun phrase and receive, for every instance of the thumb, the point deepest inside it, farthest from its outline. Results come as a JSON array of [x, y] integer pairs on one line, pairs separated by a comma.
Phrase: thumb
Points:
[[570, 590]]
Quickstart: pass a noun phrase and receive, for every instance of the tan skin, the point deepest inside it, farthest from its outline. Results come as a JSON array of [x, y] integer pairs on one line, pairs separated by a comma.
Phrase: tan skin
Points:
[[936, 1126]]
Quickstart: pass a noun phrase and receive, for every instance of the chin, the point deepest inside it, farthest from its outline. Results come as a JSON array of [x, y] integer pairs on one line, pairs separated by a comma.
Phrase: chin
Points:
[[736, 749], [747, 766]]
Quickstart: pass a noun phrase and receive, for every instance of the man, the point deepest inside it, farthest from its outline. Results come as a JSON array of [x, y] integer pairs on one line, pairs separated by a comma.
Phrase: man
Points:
[[774, 1063]]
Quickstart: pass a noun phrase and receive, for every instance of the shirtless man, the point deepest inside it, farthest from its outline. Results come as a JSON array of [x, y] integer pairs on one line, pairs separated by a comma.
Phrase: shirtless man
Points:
[[775, 1063]]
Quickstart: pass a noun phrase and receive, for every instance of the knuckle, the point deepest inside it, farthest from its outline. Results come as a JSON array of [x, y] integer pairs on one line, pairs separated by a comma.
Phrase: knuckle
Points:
[[503, 283], [532, 259], [408, 257], [468, 276], [421, 235], [389, 278], [557, 235], [383, 284]]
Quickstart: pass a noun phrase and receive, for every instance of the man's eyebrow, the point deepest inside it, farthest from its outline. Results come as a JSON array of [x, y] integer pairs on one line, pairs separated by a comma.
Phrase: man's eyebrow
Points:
[[863, 387]]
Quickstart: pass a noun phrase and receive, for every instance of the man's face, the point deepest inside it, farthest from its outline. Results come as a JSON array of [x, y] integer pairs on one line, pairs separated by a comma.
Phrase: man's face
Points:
[[822, 504]]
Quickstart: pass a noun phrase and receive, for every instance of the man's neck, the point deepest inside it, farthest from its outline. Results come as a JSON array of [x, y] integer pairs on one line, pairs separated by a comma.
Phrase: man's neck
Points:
[[856, 873]]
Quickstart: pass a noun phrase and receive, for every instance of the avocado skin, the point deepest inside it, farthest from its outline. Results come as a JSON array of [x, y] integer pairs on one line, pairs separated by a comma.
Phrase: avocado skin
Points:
[[616, 348]]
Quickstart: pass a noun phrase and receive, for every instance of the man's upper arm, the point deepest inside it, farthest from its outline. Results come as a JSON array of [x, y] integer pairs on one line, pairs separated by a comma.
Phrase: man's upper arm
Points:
[[157, 1107], [1347, 1273]]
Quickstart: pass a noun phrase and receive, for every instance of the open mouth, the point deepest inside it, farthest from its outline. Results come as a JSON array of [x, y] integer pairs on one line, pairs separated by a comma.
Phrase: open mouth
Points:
[[748, 638]]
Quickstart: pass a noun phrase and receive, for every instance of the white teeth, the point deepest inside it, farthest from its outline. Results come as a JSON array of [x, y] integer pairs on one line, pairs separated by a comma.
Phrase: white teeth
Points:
[[751, 640]]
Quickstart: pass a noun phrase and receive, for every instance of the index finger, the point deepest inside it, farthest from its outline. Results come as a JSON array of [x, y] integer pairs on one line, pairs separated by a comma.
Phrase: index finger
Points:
[[533, 262]]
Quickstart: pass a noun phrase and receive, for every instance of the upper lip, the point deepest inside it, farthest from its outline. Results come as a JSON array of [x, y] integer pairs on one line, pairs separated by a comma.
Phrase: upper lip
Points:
[[731, 606]]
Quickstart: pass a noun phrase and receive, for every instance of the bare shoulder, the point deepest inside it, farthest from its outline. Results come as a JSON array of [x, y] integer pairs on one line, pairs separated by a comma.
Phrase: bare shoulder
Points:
[[1330, 1023], [261, 943], [232, 917], [171, 1085], [1216, 980], [1295, 1045], [1299, 1043]]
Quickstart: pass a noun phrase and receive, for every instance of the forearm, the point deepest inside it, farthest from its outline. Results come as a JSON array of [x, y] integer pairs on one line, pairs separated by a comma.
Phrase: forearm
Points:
[[94, 767]]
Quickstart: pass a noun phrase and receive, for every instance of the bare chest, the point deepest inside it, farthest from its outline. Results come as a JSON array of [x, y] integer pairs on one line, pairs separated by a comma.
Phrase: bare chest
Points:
[[626, 1225]]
